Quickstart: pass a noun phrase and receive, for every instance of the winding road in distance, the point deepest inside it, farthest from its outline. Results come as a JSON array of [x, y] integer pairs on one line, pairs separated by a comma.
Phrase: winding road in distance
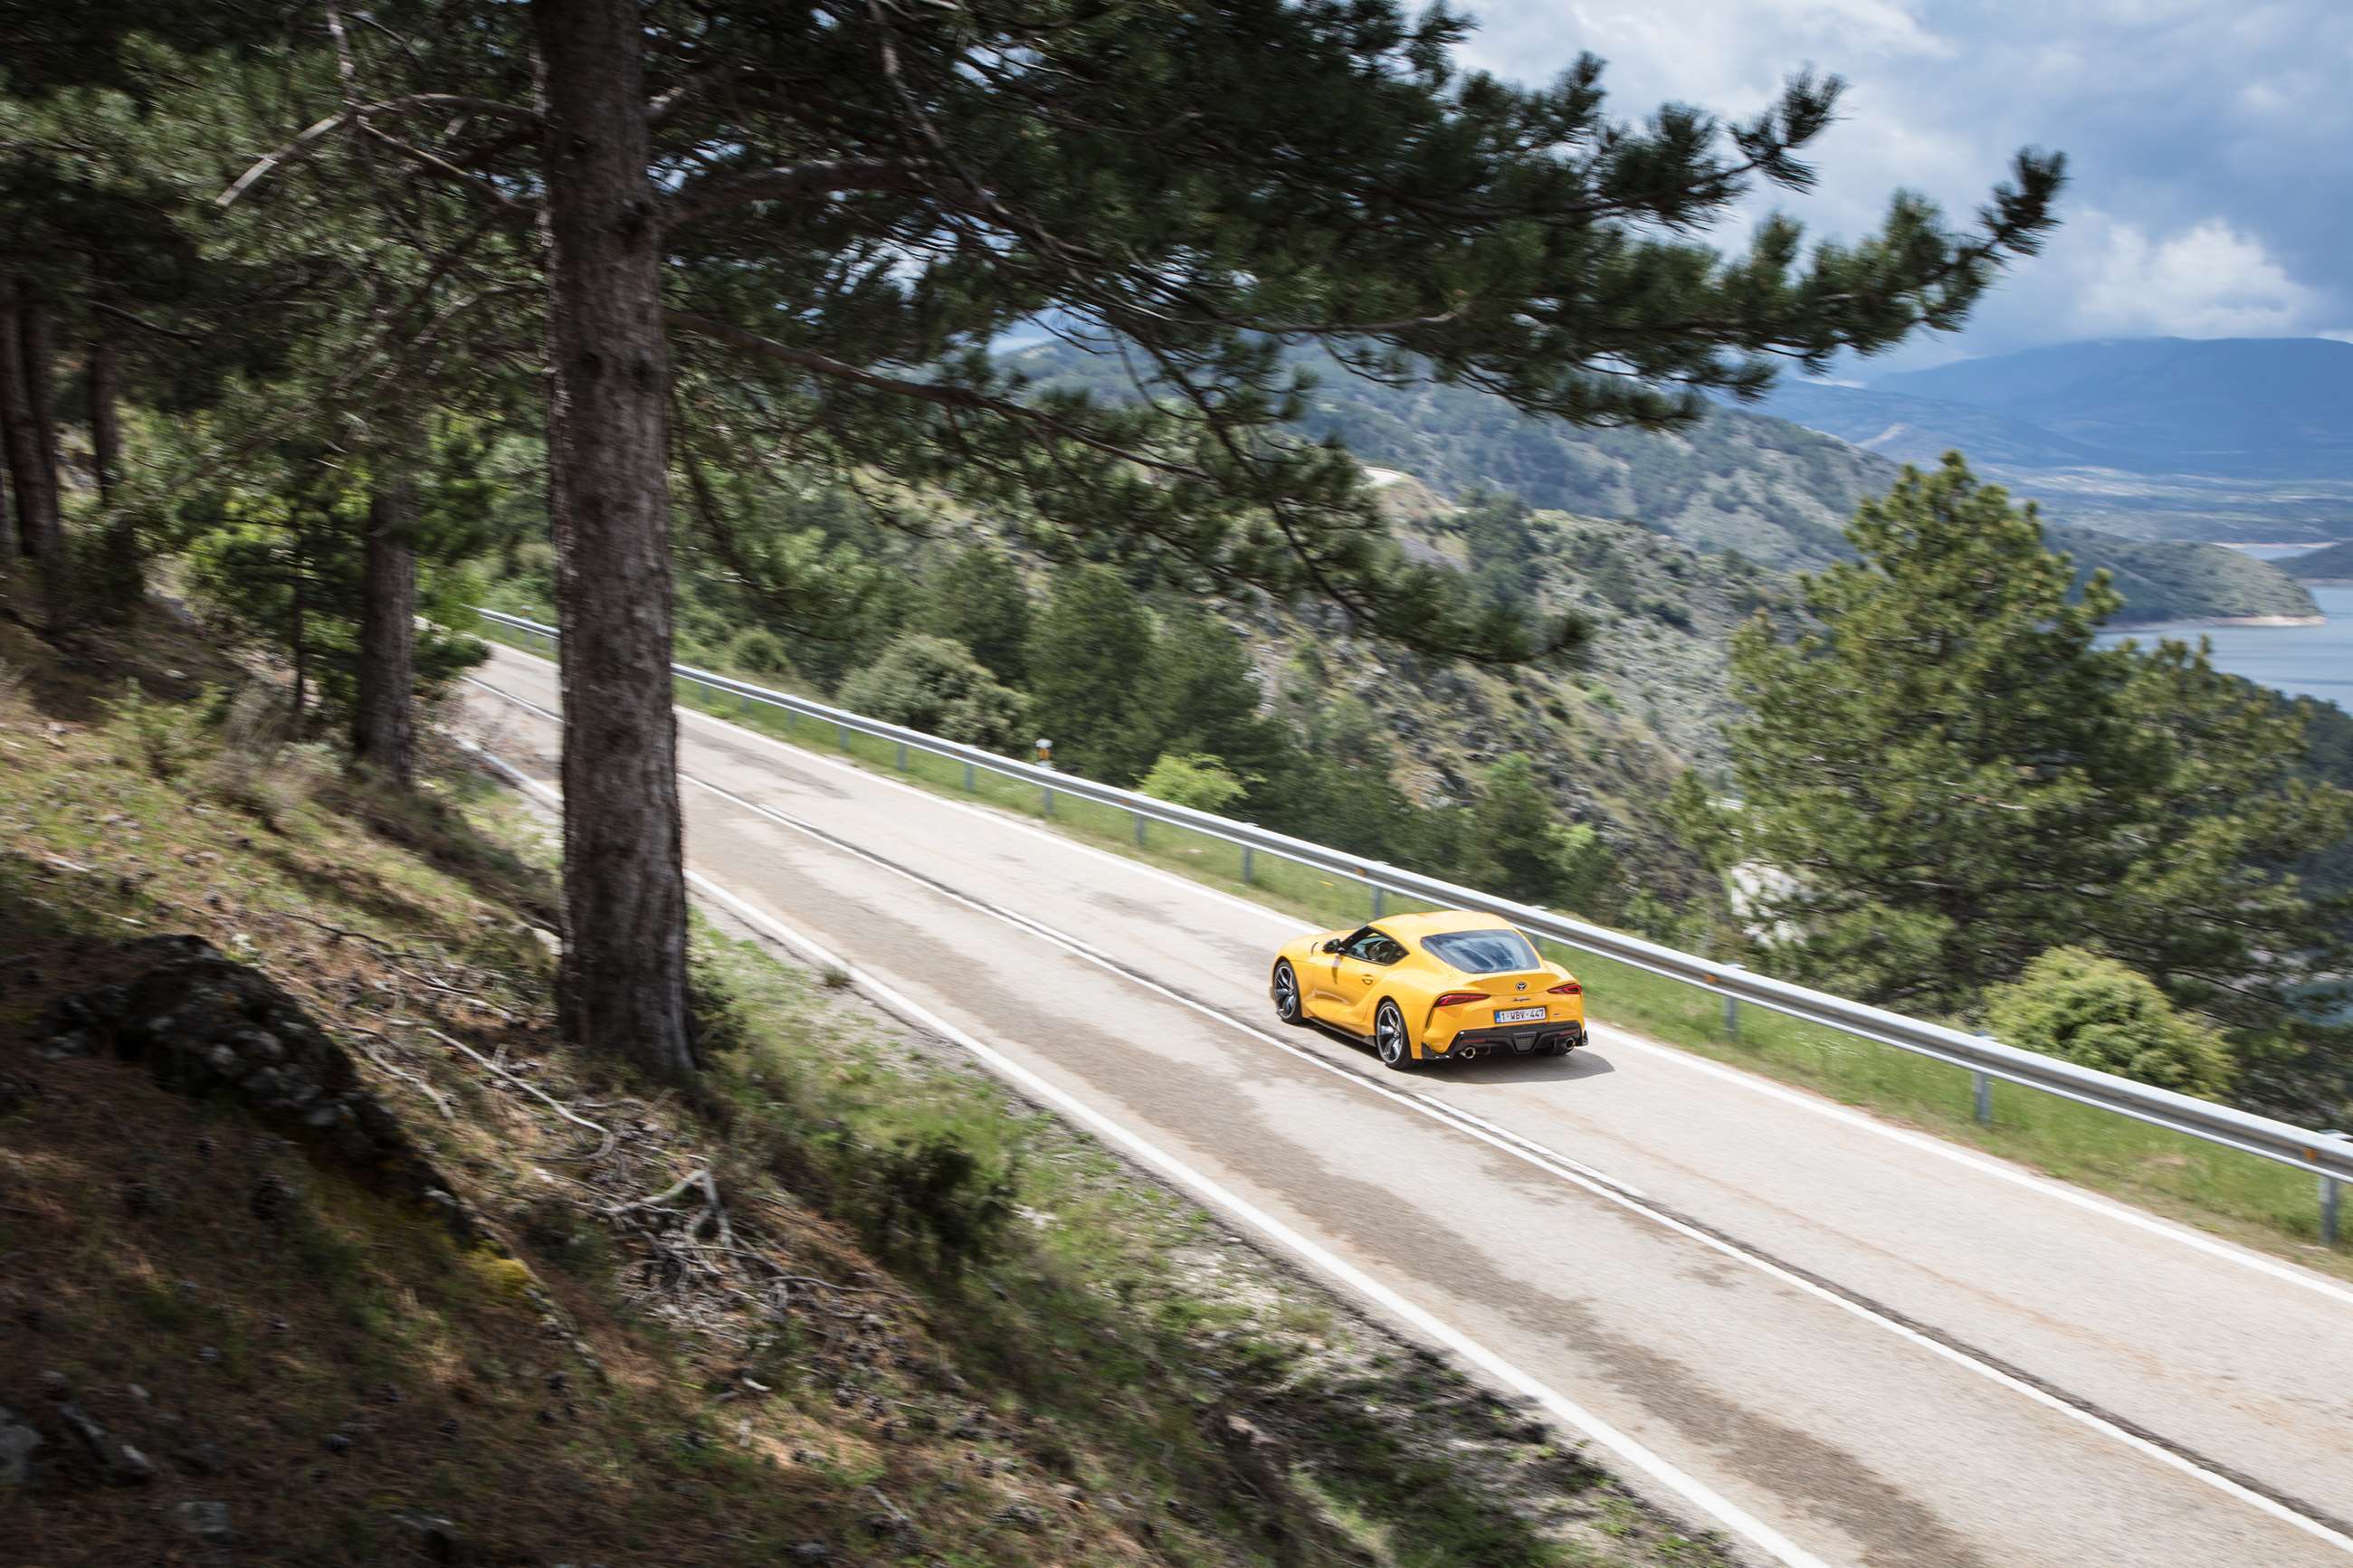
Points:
[[1836, 1341]]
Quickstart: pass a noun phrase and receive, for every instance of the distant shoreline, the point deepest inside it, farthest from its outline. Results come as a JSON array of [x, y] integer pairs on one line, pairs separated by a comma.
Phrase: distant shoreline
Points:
[[2220, 621]]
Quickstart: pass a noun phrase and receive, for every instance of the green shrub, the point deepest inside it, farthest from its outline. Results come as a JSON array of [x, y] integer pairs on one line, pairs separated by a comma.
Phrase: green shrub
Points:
[[162, 735], [1195, 779], [254, 767], [756, 650], [935, 684], [2093, 1010], [1584, 868], [1668, 610], [936, 1196]]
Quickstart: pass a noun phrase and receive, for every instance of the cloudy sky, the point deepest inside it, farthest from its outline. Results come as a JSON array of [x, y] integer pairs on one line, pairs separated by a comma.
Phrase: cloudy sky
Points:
[[2209, 142]]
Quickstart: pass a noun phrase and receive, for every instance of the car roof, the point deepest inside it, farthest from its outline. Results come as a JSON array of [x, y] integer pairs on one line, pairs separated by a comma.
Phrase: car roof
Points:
[[1439, 921]]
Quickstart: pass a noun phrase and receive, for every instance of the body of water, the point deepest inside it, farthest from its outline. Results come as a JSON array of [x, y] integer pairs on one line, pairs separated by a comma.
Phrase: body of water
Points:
[[2302, 661]]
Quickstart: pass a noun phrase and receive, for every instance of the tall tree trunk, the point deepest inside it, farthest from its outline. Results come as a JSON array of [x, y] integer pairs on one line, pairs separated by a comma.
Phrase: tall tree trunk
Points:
[[105, 422], [298, 633], [383, 717], [125, 570], [11, 514], [32, 442], [622, 985]]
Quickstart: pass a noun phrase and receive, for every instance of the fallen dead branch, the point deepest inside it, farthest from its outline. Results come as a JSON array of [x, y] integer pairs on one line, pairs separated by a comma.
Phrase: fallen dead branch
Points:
[[440, 1101], [607, 1139], [713, 1212]]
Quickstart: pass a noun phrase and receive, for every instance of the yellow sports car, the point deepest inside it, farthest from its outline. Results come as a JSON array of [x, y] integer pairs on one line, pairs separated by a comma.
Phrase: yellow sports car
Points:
[[1437, 987]]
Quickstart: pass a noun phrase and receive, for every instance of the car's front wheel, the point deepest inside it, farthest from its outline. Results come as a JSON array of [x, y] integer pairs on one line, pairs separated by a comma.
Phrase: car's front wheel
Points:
[[1391, 1042], [1287, 1005]]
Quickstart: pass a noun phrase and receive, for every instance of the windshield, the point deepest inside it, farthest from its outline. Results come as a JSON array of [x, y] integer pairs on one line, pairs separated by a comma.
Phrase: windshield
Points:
[[1483, 952]]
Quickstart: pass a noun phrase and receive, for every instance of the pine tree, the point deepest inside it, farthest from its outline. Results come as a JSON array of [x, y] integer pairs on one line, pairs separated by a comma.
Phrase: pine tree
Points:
[[1511, 842], [623, 985], [935, 685], [1207, 699], [1943, 777], [978, 599], [1094, 660]]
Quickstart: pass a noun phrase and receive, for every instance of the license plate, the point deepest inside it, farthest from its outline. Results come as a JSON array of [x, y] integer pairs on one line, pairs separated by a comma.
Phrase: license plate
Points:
[[1518, 1015]]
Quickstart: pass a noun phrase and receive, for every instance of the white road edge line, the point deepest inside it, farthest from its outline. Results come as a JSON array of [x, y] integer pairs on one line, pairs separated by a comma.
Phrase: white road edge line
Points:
[[2212, 1246], [1602, 1188], [1925, 1144], [1727, 1515]]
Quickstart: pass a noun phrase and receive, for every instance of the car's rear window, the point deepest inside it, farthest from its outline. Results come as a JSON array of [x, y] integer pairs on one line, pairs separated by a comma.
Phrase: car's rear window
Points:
[[1483, 952]]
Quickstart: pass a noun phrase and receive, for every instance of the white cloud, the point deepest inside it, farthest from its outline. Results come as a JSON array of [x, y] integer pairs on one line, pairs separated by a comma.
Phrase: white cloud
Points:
[[2209, 280], [1728, 55], [2209, 193]]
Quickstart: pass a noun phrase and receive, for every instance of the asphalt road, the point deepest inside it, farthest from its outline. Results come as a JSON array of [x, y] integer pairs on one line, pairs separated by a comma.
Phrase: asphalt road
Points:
[[1845, 1342]]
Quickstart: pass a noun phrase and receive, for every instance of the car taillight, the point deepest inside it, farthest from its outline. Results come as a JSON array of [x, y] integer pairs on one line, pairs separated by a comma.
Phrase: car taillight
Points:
[[1568, 988], [1457, 998]]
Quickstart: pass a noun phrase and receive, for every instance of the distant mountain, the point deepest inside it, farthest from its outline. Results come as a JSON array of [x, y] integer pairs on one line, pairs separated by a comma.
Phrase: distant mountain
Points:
[[2239, 408], [2229, 438], [1775, 492], [1923, 430], [2332, 565], [2277, 408]]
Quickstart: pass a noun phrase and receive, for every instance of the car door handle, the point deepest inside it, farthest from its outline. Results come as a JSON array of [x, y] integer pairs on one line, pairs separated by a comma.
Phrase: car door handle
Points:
[[1365, 978]]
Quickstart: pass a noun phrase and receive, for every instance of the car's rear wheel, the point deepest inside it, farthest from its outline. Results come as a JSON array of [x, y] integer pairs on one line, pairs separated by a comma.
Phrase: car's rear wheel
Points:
[[1391, 1042], [1287, 1005]]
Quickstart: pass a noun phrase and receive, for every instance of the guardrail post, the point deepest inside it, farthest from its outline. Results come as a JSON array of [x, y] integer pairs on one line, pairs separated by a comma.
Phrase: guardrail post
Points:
[[967, 778], [1246, 864], [841, 736], [903, 756], [1377, 901], [1139, 827], [742, 702], [1984, 1098], [2331, 1191], [1046, 799], [1731, 1017]]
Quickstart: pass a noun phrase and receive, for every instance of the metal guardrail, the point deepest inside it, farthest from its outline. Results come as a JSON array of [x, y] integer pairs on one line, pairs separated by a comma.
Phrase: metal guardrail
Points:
[[2327, 1156]]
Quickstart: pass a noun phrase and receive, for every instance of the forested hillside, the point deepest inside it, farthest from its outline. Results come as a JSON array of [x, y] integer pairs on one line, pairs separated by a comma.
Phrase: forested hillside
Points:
[[1776, 492], [2332, 563]]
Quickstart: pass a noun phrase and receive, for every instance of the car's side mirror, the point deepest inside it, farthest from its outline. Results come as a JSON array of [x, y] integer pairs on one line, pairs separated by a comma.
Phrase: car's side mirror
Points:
[[1334, 945]]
